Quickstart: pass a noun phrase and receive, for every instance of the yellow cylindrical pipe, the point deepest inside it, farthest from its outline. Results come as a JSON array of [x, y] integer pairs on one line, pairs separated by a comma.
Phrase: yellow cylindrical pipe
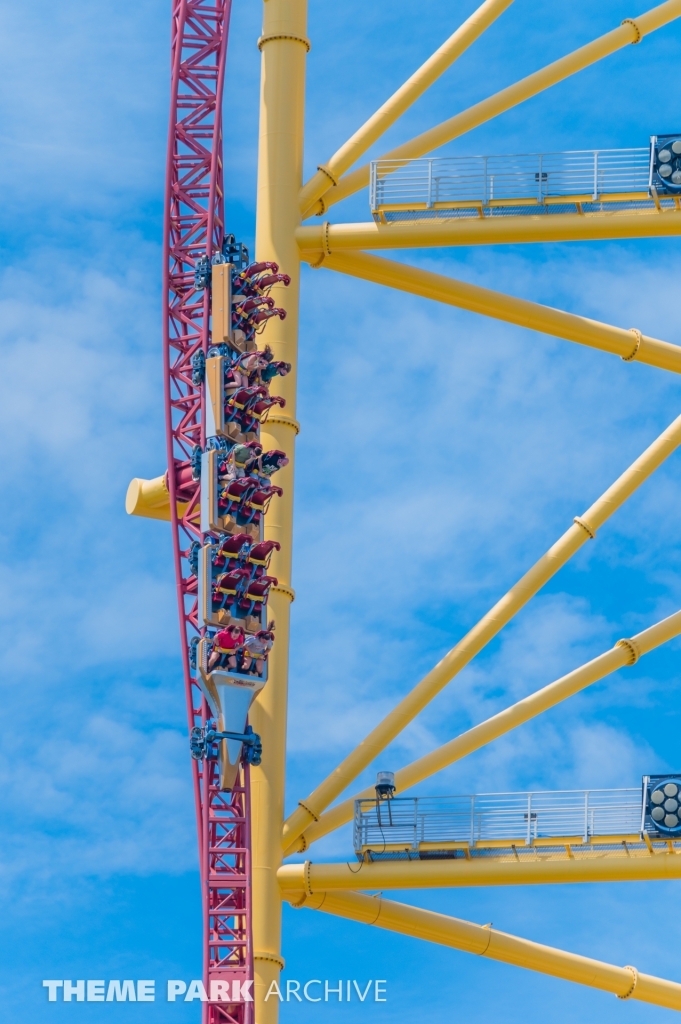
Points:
[[483, 940], [629, 344], [284, 47], [400, 101], [318, 240], [503, 611], [151, 499], [631, 30], [625, 652], [478, 871]]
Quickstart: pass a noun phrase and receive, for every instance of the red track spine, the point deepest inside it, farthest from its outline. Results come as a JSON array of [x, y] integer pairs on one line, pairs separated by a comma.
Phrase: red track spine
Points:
[[194, 227]]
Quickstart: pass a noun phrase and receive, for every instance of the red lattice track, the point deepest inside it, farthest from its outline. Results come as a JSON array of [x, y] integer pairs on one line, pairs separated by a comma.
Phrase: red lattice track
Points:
[[194, 227]]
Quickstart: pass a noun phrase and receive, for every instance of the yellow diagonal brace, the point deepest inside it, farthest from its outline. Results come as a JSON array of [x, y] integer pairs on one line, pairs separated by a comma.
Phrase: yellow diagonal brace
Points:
[[631, 30], [625, 652], [629, 344], [478, 871], [623, 982], [503, 611], [329, 173], [317, 241]]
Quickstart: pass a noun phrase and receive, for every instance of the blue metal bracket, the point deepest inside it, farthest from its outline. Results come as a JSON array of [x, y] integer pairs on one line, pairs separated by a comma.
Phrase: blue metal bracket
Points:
[[204, 743]]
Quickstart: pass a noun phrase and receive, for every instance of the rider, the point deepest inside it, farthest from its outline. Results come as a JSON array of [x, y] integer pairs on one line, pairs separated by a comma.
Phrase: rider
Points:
[[227, 643], [246, 367], [274, 368], [245, 457], [257, 648], [270, 462]]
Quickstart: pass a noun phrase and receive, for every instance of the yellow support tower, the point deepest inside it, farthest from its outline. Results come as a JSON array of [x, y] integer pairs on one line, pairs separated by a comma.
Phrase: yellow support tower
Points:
[[284, 46]]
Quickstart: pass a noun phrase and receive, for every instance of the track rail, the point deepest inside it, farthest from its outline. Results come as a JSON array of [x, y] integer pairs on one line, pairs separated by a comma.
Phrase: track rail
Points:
[[194, 226]]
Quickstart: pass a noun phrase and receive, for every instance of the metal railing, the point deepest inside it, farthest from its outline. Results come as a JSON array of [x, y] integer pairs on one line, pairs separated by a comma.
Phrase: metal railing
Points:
[[518, 818], [530, 178]]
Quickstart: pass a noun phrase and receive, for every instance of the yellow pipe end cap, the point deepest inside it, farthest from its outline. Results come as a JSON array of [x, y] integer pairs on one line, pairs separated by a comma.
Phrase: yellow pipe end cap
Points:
[[148, 498]]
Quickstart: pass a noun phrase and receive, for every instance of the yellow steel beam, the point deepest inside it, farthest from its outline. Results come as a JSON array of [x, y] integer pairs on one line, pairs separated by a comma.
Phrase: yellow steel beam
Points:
[[478, 871], [284, 48], [483, 940], [151, 499], [328, 174], [631, 30], [545, 847], [318, 241], [625, 652], [503, 611], [629, 344]]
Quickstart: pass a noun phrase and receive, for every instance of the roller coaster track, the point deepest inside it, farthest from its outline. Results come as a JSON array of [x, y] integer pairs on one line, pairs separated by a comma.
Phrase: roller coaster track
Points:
[[194, 227]]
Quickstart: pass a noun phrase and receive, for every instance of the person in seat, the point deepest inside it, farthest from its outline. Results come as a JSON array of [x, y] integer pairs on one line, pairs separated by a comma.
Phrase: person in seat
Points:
[[274, 368], [226, 644], [237, 462], [269, 462], [256, 649], [225, 468], [247, 367], [245, 457]]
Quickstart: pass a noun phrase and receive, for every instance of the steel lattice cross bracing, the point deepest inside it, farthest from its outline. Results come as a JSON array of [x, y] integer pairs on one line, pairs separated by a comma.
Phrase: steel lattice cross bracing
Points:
[[194, 227]]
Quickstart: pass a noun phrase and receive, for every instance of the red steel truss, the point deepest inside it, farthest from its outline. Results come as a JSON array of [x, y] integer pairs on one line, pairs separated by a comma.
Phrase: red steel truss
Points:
[[228, 947], [194, 227]]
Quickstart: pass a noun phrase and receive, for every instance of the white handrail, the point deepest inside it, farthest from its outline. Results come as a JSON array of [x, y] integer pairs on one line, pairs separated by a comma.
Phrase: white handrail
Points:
[[503, 178], [517, 817]]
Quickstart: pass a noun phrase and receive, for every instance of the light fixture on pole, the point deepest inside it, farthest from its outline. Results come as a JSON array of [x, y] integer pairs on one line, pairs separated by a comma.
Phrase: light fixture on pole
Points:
[[385, 785]]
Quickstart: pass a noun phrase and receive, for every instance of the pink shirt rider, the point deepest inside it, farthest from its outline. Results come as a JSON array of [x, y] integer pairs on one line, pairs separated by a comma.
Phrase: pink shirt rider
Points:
[[226, 640]]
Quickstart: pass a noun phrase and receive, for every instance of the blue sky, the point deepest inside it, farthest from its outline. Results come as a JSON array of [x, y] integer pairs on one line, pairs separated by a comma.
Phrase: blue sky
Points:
[[440, 455]]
